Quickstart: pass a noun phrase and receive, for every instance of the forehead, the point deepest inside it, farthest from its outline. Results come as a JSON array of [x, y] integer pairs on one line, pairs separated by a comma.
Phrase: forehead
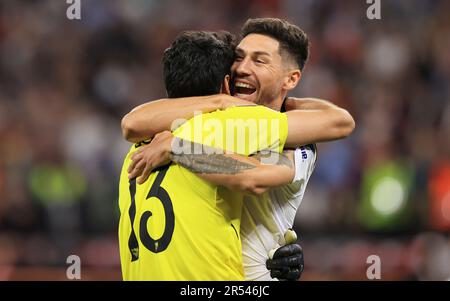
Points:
[[259, 43]]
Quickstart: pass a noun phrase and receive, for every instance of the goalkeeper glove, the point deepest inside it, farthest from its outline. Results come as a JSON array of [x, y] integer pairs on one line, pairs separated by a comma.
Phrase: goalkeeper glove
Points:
[[286, 262]]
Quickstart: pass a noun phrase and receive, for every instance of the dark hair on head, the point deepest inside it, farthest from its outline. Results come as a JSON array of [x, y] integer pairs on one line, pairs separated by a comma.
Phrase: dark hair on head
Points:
[[197, 62], [293, 40]]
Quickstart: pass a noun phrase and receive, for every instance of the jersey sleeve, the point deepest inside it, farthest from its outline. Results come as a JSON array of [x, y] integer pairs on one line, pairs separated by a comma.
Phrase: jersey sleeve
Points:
[[291, 195], [242, 130], [305, 161]]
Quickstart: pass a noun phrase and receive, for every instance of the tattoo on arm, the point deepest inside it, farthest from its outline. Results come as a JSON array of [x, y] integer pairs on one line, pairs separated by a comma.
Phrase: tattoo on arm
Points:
[[199, 158], [211, 163]]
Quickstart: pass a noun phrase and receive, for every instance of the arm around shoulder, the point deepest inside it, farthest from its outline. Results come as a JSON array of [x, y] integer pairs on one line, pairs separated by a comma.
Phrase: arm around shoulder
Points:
[[314, 120]]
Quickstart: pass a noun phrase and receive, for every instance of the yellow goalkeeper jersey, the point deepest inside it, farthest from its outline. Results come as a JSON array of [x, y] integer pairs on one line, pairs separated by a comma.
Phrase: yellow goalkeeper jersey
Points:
[[177, 226]]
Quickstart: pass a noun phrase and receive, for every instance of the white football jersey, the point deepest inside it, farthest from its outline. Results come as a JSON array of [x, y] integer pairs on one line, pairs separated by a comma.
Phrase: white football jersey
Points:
[[265, 219]]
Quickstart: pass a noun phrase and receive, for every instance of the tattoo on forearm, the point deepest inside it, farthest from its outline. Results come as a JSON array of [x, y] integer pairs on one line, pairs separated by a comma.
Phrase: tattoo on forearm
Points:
[[200, 158], [211, 163]]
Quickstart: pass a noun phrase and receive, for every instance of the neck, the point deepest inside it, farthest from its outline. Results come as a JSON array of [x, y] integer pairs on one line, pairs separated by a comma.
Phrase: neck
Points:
[[277, 102]]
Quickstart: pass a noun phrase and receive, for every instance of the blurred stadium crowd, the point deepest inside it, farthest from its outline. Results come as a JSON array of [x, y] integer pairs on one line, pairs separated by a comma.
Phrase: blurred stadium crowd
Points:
[[64, 86]]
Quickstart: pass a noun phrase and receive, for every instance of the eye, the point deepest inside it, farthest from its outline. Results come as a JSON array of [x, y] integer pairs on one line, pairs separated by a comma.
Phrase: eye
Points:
[[238, 58]]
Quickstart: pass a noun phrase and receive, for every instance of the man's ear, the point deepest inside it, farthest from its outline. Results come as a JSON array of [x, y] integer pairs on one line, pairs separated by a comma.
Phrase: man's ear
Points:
[[291, 80], [226, 85]]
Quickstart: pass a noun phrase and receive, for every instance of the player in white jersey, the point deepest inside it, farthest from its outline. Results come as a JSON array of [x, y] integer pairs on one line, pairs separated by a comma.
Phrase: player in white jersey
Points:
[[266, 218], [269, 62]]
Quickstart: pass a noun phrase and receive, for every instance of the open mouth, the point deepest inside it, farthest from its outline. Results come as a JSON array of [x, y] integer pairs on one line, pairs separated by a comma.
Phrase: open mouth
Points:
[[244, 88]]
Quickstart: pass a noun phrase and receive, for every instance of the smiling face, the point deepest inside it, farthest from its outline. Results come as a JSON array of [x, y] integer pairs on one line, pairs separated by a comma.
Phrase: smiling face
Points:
[[259, 72]]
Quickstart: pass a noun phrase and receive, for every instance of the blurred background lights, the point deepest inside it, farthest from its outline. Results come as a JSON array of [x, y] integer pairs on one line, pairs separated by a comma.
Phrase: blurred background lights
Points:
[[388, 195], [439, 193], [386, 203], [446, 207]]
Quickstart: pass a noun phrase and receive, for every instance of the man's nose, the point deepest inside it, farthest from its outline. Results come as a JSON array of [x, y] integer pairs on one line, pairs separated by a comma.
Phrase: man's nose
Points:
[[243, 67]]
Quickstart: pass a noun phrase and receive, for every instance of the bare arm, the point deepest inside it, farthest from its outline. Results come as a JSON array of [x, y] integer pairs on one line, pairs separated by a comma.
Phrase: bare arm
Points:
[[308, 103], [239, 173], [312, 120], [150, 118], [236, 172], [318, 121]]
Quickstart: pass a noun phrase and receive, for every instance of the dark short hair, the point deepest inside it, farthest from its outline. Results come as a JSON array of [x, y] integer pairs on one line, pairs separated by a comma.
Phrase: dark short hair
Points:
[[293, 40], [197, 62]]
